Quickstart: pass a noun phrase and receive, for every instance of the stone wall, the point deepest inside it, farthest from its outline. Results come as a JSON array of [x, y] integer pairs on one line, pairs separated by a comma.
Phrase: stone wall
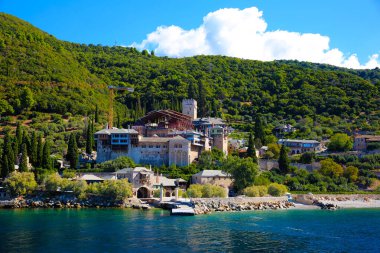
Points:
[[208, 205], [266, 164]]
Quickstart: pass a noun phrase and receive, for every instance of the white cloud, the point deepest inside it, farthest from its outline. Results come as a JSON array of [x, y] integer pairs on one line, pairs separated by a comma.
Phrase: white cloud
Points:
[[243, 34]]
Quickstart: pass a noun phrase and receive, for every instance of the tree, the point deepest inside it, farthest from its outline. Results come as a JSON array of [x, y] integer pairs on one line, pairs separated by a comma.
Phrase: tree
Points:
[[72, 151], [19, 133], [116, 190], [192, 91], [40, 148], [251, 151], [5, 107], [205, 161], [46, 160], [23, 167], [27, 99], [96, 114], [330, 168], [307, 157], [34, 148], [202, 99], [89, 137], [259, 131], [283, 161], [20, 183], [27, 141], [273, 151], [8, 157], [209, 160], [340, 142], [116, 164], [277, 190], [243, 172], [351, 173]]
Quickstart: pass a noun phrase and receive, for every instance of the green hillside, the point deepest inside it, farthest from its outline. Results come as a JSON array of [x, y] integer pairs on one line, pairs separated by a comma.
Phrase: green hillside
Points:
[[34, 59], [70, 78]]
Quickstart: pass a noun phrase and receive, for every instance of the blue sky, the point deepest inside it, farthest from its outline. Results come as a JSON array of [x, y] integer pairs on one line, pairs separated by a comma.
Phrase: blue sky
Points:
[[351, 26]]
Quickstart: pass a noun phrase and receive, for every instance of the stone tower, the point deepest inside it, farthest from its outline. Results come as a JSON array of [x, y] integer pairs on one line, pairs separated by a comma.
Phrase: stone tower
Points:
[[189, 108]]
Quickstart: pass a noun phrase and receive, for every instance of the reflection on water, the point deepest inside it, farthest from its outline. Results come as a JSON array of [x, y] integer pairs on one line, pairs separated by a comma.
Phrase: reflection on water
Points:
[[118, 230]]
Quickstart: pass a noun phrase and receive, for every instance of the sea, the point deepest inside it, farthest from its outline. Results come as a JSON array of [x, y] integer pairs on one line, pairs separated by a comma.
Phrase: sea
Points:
[[125, 230]]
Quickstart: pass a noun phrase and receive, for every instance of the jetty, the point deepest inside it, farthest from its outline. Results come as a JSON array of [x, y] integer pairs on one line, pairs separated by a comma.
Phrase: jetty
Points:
[[182, 210]]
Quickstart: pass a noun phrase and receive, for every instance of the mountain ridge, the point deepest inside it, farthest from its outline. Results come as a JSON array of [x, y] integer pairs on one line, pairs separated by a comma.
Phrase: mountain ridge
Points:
[[67, 77]]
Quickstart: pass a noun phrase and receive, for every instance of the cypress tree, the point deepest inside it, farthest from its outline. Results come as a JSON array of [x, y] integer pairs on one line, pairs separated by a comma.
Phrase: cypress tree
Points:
[[69, 148], [40, 148], [192, 91], [34, 148], [202, 99], [89, 138], [45, 161], [92, 134], [15, 148], [96, 114], [19, 133], [118, 123], [251, 151], [5, 167], [72, 152], [27, 141], [259, 130], [283, 161], [23, 167], [8, 158]]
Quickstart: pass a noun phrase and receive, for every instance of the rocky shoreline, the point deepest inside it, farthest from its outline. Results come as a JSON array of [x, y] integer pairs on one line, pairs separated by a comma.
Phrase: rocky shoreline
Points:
[[62, 201], [206, 206]]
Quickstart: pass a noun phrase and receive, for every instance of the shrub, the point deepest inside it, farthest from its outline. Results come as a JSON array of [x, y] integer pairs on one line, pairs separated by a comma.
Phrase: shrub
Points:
[[78, 187], [195, 191], [307, 158], [53, 182], [206, 191], [261, 180], [340, 142], [20, 183], [115, 189], [276, 190], [117, 164], [256, 191], [209, 191], [68, 174], [330, 168]]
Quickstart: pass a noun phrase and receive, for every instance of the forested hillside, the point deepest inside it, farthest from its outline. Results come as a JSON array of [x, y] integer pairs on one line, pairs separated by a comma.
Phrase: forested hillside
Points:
[[71, 78]]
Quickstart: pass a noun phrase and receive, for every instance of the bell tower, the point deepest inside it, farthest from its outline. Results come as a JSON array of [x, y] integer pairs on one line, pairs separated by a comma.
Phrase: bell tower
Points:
[[190, 108]]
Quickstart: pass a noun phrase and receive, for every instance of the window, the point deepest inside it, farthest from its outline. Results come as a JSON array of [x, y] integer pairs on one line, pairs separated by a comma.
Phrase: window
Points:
[[143, 146], [158, 146]]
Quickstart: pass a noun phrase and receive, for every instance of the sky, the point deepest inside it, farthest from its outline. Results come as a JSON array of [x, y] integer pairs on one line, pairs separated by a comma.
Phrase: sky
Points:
[[339, 32]]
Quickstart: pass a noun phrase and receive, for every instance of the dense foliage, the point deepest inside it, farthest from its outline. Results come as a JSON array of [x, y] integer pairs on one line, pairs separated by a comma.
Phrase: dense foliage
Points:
[[39, 73], [114, 190], [20, 183], [206, 191]]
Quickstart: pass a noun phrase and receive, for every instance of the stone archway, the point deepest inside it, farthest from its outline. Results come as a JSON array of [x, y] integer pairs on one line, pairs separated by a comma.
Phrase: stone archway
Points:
[[142, 193]]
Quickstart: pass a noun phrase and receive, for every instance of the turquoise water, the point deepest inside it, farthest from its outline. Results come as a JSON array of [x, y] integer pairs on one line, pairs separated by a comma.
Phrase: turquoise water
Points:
[[117, 230]]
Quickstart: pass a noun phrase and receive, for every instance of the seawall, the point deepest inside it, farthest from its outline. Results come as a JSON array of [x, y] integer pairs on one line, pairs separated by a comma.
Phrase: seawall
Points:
[[208, 205], [340, 200]]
